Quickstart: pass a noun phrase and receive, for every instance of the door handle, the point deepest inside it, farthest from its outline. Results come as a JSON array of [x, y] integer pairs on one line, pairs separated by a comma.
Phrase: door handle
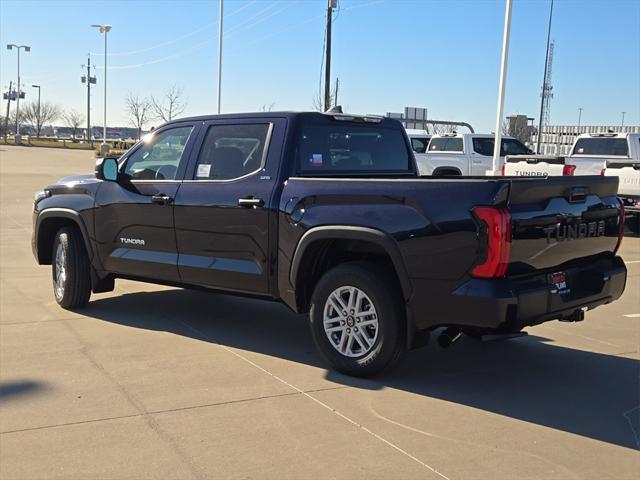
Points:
[[250, 202], [161, 199]]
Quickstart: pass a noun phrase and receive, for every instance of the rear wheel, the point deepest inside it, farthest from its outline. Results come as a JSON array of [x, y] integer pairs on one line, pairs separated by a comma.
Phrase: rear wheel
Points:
[[357, 319], [70, 269]]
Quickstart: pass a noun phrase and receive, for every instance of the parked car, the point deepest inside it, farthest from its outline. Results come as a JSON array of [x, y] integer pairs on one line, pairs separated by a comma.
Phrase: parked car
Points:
[[628, 174], [465, 154], [328, 214], [589, 156]]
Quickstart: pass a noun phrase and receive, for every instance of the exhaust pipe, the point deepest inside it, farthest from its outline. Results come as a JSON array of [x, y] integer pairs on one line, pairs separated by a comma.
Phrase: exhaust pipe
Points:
[[576, 316], [449, 336]]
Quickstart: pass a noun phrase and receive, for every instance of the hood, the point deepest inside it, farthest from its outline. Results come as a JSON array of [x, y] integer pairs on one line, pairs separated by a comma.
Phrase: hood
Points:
[[72, 180]]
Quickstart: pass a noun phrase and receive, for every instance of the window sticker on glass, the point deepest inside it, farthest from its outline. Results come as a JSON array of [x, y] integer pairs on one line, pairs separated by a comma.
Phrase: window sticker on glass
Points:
[[315, 160], [203, 170]]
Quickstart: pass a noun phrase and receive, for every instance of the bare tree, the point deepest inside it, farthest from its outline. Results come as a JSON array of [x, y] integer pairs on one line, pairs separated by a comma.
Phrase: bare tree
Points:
[[268, 108], [170, 105], [37, 116], [139, 110], [73, 120]]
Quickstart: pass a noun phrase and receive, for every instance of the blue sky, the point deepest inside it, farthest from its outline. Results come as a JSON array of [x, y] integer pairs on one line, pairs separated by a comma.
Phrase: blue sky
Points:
[[443, 55]]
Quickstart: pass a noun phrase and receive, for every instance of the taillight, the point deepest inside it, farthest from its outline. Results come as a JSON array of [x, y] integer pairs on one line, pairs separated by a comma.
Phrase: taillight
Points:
[[568, 170], [621, 226], [502, 168], [498, 235], [602, 172]]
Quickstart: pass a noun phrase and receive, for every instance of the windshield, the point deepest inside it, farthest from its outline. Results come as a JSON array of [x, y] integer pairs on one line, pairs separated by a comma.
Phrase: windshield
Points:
[[337, 148], [602, 146]]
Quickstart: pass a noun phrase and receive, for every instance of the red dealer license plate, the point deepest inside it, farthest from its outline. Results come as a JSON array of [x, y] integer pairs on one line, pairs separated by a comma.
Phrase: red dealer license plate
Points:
[[558, 283]]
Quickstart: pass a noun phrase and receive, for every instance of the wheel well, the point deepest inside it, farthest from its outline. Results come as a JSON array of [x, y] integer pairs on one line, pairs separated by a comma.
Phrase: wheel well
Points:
[[446, 171], [322, 255], [46, 235]]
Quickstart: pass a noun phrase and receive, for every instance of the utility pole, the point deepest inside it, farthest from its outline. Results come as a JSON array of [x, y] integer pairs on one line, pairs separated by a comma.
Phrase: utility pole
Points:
[[39, 125], [8, 96], [327, 69], [89, 80], [335, 96], [579, 115], [544, 81], [220, 17], [623, 114]]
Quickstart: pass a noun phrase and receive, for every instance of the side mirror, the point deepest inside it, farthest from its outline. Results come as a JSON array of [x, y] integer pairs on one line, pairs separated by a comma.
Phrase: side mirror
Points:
[[107, 169]]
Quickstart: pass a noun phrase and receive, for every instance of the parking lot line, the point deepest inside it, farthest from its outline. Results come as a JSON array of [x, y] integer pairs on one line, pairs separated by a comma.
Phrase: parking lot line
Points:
[[633, 315], [319, 402]]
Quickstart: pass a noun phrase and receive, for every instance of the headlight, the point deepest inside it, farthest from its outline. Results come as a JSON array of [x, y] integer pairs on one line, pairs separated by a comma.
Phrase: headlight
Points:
[[41, 195]]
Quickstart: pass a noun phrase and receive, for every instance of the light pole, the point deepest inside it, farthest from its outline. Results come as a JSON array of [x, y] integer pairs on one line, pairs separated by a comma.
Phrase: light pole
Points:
[[39, 125], [220, 56], [497, 143], [579, 116], [104, 148], [26, 48], [623, 114]]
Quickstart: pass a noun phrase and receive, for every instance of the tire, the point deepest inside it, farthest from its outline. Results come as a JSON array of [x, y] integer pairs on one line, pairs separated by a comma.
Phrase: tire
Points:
[[378, 292], [70, 269]]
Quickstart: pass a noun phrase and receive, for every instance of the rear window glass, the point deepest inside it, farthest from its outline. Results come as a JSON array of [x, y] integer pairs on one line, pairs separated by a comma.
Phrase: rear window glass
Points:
[[419, 144], [601, 146], [334, 148], [445, 144]]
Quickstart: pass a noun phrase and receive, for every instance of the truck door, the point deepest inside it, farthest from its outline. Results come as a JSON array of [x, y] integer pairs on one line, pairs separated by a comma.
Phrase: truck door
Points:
[[134, 217], [225, 209]]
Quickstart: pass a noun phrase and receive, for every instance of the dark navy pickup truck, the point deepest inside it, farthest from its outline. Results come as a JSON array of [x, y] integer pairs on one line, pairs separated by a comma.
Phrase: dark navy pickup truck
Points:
[[327, 213]]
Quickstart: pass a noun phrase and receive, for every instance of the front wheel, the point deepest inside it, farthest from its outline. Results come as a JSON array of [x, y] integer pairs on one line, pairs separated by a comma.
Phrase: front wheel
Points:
[[357, 318], [70, 269]]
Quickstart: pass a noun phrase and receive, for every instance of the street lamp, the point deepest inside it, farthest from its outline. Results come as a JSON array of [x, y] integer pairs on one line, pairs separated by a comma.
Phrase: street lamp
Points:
[[26, 48], [579, 116], [39, 117], [104, 148], [623, 114]]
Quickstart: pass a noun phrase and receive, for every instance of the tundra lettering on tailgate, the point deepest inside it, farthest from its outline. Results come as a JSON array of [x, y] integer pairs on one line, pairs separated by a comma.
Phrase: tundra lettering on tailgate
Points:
[[561, 233]]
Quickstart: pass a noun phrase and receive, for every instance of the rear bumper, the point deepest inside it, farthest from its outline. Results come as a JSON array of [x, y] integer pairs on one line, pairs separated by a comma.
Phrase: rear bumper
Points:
[[513, 303]]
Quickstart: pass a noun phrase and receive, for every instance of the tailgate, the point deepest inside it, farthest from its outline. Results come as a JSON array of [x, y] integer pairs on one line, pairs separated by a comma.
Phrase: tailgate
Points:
[[533, 165], [557, 220]]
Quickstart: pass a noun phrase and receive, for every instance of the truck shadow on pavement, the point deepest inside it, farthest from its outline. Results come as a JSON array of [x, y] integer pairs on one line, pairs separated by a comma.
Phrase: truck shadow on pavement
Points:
[[590, 394]]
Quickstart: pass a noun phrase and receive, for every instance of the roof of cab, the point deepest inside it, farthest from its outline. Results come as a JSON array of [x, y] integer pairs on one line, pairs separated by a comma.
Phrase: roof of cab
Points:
[[284, 114]]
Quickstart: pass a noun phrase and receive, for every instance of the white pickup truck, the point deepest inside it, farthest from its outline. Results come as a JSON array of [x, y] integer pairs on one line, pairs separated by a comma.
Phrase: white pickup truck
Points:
[[468, 154], [628, 189], [589, 156]]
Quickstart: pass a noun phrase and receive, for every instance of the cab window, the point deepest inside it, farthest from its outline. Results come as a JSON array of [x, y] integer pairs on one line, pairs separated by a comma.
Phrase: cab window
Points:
[[158, 156]]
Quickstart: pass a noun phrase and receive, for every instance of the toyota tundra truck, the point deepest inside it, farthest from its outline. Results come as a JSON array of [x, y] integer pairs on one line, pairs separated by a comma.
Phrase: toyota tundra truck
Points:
[[328, 214]]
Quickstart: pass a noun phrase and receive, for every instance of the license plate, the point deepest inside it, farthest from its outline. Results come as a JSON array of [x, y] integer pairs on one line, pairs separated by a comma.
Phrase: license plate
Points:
[[558, 283]]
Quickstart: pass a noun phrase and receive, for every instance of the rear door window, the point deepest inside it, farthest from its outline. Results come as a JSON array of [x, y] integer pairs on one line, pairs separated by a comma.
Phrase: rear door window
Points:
[[446, 144], [510, 146], [336, 148], [232, 151], [419, 144], [602, 146]]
